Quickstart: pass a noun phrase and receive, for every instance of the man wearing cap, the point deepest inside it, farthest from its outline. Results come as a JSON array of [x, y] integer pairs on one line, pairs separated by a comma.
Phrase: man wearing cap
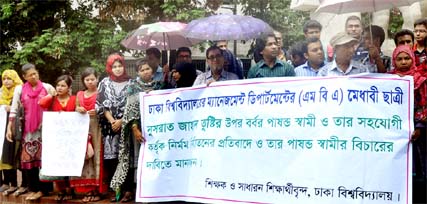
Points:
[[344, 46]]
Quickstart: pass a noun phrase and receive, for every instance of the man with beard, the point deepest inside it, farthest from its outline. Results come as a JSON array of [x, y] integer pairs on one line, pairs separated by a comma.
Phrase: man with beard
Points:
[[315, 56], [269, 65]]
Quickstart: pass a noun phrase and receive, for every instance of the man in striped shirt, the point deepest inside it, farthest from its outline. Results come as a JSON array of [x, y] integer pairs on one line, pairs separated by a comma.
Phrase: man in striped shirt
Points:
[[313, 52], [344, 46], [269, 65]]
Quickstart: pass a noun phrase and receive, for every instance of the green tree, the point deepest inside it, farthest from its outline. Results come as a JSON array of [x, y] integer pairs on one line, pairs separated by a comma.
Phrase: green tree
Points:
[[277, 14], [62, 38], [69, 40]]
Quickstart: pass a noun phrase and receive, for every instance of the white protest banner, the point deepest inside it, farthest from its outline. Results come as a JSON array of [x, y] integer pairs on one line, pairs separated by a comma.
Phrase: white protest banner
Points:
[[64, 136], [280, 140], [3, 122]]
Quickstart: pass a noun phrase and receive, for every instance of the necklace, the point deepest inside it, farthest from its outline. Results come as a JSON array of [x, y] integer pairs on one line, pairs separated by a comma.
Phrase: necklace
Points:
[[63, 101]]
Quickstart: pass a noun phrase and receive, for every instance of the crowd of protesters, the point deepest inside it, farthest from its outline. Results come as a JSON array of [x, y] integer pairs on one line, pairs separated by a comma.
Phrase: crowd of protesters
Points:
[[113, 104]]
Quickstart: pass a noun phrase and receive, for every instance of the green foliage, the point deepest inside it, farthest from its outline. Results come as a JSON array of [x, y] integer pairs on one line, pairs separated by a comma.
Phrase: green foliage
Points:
[[83, 40], [395, 22], [278, 15], [61, 39]]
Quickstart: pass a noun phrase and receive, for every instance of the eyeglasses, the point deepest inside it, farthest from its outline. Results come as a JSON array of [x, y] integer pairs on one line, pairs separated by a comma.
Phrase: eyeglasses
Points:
[[213, 57], [420, 31]]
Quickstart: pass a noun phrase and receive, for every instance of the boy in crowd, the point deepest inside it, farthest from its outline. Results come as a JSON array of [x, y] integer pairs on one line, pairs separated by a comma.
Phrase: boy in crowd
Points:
[[420, 31]]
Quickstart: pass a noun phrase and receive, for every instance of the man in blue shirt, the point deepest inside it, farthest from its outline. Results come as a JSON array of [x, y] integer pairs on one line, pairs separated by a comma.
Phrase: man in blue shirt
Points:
[[313, 52], [344, 46], [153, 59], [215, 71]]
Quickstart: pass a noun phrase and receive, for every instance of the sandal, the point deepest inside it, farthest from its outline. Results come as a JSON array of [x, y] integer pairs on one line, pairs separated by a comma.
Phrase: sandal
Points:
[[10, 191], [3, 188], [95, 196], [113, 199], [127, 197], [20, 191], [60, 196], [87, 197], [35, 196], [69, 194]]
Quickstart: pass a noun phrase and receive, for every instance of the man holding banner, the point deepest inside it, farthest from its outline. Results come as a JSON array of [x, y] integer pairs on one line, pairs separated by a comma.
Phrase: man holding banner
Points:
[[216, 70]]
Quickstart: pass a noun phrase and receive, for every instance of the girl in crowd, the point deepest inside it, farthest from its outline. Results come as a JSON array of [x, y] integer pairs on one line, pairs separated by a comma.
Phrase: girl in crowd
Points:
[[63, 101], [110, 105], [8, 161], [28, 97], [91, 180], [404, 64], [131, 136], [184, 74]]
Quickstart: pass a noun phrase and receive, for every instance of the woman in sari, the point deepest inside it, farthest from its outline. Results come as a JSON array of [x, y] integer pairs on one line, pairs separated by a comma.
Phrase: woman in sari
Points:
[[90, 182], [404, 65], [28, 96], [8, 162], [110, 105], [131, 136], [63, 101]]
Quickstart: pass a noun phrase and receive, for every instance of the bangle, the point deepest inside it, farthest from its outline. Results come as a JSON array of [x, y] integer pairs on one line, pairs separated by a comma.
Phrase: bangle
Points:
[[134, 125]]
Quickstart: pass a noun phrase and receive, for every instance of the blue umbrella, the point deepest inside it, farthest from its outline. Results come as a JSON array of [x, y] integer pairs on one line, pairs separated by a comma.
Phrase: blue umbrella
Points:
[[227, 27]]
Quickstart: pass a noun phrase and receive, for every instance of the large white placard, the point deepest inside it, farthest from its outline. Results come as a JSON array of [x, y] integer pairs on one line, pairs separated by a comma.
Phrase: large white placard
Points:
[[280, 140], [3, 122], [64, 136]]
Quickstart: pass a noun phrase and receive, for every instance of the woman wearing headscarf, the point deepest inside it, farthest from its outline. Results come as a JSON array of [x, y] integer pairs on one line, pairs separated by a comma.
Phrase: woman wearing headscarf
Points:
[[184, 74], [404, 65], [110, 106], [8, 161], [131, 135], [28, 96]]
